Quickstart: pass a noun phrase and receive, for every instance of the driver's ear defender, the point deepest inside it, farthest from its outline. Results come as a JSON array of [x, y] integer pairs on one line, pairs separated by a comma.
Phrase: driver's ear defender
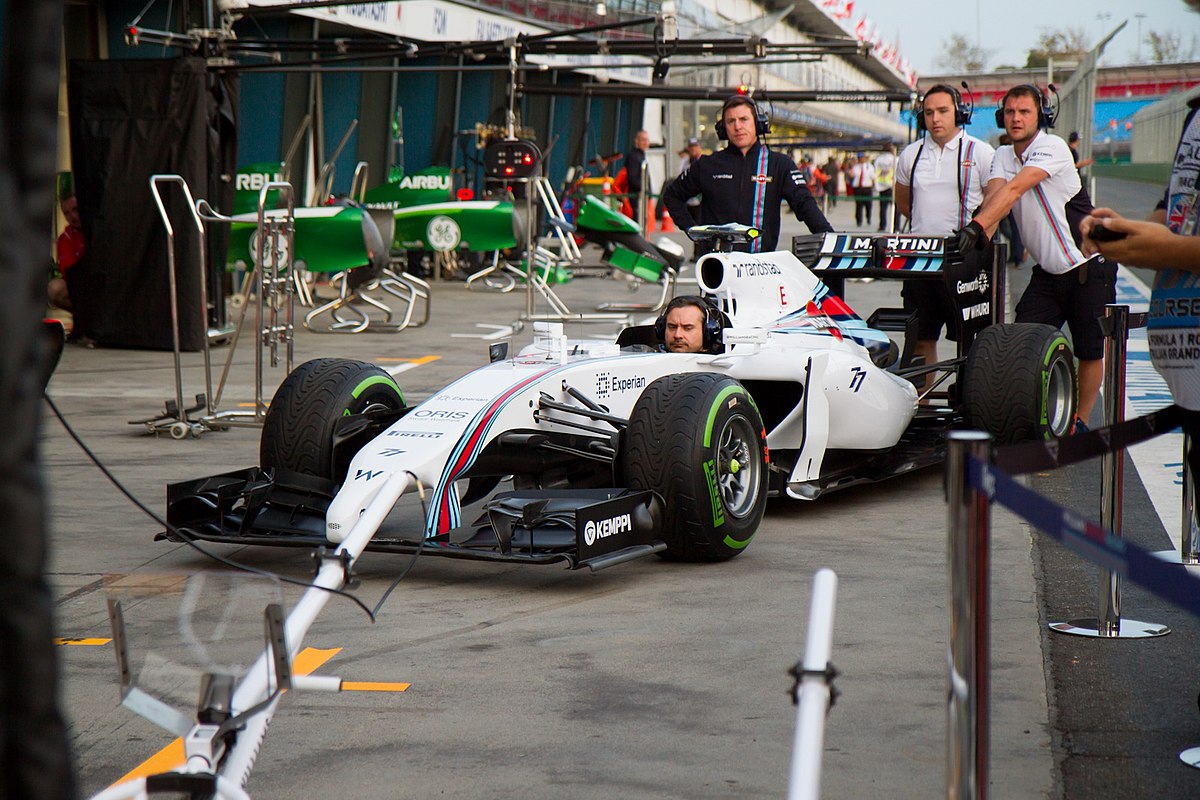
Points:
[[710, 328], [762, 125], [1045, 119]]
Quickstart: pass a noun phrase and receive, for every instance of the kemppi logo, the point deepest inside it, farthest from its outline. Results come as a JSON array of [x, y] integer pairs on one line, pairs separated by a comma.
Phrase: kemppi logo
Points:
[[594, 530]]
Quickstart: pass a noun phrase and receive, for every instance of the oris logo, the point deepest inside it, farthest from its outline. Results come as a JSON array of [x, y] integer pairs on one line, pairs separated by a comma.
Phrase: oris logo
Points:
[[608, 384], [980, 284], [593, 530]]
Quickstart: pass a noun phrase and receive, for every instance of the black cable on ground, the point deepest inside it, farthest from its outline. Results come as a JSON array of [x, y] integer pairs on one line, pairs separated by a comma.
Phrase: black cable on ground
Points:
[[189, 539]]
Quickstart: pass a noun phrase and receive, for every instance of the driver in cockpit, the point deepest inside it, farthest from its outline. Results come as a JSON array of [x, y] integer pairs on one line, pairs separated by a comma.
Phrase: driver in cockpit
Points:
[[690, 324]]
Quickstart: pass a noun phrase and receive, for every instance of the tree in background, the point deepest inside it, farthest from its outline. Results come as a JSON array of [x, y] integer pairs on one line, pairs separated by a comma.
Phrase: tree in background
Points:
[[1064, 44], [960, 56], [1164, 47]]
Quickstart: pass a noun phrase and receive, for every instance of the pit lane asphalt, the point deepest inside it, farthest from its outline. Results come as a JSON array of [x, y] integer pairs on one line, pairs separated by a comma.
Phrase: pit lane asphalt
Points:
[[650, 679]]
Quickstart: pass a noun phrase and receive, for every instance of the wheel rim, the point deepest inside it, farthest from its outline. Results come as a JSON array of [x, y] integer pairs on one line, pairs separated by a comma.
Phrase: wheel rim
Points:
[[739, 470], [1060, 397]]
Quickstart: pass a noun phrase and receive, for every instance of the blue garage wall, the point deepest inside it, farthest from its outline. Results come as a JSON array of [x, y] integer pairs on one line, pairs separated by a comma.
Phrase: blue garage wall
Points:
[[417, 95], [340, 93], [564, 127], [260, 135]]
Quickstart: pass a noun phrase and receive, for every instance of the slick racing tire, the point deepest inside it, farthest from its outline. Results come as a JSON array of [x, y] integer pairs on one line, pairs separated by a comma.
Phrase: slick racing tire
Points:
[[299, 426], [697, 439], [1019, 383]]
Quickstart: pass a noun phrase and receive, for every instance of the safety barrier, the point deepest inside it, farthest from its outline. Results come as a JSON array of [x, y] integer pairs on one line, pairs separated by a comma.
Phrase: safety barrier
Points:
[[978, 476]]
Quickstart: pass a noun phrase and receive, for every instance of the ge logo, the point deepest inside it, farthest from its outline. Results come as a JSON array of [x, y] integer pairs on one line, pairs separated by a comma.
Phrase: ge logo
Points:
[[589, 533], [443, 233], [603, 382], [279, 256]]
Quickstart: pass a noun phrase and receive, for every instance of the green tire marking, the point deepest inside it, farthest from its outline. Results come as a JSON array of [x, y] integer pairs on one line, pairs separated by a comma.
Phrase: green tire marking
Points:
[[1058, 342], [712, 411], [374, 380], [714, 495], [736, 544]]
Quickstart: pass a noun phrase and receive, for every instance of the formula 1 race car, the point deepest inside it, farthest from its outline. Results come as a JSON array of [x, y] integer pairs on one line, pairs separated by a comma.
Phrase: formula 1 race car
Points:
[[614, 450]]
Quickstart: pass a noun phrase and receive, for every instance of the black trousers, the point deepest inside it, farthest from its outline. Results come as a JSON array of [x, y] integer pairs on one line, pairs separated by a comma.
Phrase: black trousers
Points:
[[862, 204]]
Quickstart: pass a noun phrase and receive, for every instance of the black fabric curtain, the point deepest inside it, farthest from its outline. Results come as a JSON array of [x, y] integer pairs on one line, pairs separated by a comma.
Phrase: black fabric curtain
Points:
[[129, 120]]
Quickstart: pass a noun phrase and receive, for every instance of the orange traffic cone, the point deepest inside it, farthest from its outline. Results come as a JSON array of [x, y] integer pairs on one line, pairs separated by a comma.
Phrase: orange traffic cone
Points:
[[668, 224], [649, 215]]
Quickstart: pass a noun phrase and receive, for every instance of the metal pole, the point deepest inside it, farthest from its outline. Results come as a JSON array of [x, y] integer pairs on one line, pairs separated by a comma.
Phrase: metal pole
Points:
[[641, 199], [969, 527], [813, 692], [1112, 464], [1189, 533], [1108, 623], [1189, 540]]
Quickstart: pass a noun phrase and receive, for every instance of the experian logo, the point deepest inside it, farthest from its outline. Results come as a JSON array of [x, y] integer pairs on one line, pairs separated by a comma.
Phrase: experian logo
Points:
[[593, 530]]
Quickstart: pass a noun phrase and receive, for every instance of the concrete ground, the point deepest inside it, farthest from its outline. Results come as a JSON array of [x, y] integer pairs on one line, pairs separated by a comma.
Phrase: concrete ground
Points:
[[650, 679]]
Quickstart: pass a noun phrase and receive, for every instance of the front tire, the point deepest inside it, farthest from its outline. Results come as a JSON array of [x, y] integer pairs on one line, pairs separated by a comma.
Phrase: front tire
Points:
[[698, 440], [1020, 382], [299, 425]]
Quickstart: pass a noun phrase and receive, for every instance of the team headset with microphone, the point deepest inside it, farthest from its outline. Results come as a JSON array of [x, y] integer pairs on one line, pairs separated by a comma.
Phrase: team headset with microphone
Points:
[[710, 328], [762, 125], [962, 113], [962, 118], [1046, 114]]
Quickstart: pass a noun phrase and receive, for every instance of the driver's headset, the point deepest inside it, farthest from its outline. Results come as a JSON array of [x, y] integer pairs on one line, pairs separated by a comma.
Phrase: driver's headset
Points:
[[1047, 114], [762, 124], [711, 327]]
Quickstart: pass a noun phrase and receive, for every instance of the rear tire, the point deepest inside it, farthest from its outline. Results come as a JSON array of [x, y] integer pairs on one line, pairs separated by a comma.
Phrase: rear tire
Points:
[[298, 429], [1019, 382], [698, 440]]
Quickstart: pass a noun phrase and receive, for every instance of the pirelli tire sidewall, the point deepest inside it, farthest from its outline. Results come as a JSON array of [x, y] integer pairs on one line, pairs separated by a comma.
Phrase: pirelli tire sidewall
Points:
[[299, 425], [1019, 383], [698, 440]]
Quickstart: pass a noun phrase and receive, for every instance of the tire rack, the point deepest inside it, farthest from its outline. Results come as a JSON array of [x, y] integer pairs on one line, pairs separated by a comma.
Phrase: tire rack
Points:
[[271, 281]]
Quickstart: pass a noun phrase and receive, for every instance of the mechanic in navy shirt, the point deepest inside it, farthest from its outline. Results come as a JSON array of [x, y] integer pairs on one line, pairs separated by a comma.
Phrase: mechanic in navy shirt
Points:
[[744, 182]]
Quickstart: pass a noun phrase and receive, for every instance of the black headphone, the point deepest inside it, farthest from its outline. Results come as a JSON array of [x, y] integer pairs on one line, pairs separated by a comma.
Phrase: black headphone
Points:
[[711, 327], [962, 114], [762, 125], [1046, 115]]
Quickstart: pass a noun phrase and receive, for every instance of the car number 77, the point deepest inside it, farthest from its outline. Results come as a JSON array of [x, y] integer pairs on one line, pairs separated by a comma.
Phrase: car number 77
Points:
[[857, 375]]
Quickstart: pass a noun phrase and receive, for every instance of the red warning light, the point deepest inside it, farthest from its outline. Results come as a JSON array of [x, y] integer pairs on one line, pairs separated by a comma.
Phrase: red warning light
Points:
[[743, 89], [508, 170], [465, 193]]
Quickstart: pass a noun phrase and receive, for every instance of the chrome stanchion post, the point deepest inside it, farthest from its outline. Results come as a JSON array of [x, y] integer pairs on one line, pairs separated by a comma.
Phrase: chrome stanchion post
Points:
[[1189, 533], [968, 544], [1108, 623], [1189, 538]]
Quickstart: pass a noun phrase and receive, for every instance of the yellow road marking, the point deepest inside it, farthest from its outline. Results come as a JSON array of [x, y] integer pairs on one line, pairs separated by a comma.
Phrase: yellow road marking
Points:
[[171, 756], [373, 686], [83, 641], [416, 362]]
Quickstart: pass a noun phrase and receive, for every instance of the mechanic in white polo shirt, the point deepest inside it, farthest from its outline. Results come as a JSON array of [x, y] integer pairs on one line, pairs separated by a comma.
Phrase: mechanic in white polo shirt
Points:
[[940, 181], [1035, 177]]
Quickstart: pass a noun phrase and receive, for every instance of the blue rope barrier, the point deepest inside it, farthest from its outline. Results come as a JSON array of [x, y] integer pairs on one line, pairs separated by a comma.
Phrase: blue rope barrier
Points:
[[1086, 538]]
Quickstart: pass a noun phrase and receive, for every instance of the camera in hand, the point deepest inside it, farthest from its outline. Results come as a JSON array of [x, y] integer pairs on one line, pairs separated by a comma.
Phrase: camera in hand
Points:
[[1103, 233]]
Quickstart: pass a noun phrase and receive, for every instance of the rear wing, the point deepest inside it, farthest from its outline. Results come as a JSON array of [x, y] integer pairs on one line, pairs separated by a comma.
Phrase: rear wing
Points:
[[975, 285]]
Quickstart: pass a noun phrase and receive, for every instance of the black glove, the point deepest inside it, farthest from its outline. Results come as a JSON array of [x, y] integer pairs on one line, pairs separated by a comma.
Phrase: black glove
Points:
[[972, 236]]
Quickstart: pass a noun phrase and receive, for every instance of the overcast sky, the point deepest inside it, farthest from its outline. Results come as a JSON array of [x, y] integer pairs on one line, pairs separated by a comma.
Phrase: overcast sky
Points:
[[1011, 27]]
